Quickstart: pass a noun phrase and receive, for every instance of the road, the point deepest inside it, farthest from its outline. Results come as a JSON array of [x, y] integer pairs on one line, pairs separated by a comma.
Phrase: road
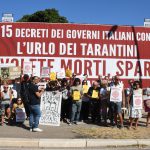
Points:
[[119, 148]]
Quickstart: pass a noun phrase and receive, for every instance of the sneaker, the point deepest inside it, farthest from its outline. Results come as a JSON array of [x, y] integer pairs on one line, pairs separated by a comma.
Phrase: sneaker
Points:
[[31, 130], [37, 130], [70, 123], [77, 123]]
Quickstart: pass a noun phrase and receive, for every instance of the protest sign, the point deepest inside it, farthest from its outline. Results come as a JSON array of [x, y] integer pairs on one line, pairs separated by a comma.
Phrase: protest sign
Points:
[[95, 94], [85, 88], [116, 94], [20, 115], [5, 72], [45, 72], [76, 95], [52, 76], [137, 101], [14, 72], [50, 108], [27, 68]]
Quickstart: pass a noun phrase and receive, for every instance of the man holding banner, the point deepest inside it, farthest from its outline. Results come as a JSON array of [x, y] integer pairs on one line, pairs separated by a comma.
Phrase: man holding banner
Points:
[[34, 105]]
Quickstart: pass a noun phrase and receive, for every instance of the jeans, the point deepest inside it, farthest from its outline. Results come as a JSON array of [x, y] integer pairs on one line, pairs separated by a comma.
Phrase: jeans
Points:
[[75, 113], [35, 115]]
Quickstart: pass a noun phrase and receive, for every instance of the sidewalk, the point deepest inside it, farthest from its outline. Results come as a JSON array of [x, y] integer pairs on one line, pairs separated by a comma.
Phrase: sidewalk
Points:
[[62, 136], [72, 143]]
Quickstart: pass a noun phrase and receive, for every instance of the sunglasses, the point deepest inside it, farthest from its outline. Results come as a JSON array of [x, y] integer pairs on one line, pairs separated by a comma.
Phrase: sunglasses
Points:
[[5, 87]]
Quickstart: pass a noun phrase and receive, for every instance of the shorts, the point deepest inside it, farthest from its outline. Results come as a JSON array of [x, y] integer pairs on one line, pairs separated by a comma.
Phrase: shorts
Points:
[[5, 105], [116, 107]]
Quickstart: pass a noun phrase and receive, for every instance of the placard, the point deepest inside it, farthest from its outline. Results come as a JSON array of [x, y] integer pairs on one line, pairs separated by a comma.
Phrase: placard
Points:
[[76, 95], [116, 94], [20, 115], [50, 108], [27, 68], [137, 101], [95, 94]]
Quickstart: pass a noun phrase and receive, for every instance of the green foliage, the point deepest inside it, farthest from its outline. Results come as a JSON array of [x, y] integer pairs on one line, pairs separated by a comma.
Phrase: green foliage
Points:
[[48, 15]]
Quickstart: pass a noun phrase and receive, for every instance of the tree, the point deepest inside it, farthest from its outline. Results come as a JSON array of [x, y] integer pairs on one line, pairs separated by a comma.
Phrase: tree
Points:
[[48, 15]]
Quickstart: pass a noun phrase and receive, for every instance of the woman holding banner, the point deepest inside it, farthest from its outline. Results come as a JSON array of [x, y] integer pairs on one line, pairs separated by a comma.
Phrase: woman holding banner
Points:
[[135, 104]]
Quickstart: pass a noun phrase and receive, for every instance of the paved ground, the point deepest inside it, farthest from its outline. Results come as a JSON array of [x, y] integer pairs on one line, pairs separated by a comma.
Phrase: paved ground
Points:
[[64, 131]]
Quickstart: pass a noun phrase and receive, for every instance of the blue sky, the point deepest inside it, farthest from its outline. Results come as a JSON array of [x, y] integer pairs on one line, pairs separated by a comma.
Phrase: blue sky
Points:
[[119, 12]]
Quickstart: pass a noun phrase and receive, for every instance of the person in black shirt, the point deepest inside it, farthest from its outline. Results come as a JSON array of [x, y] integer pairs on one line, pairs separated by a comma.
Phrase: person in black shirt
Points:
[[94, 96], [34, 105]]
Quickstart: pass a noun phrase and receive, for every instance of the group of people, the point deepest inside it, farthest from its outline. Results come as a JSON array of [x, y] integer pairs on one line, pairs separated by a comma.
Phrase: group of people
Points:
[[104, 99]]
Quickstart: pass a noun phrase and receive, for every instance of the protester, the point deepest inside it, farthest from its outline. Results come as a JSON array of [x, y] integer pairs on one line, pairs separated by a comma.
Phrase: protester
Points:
[[85, 102], [24, 92], [76, 94], [135, 113], [104, 96], [94, 96], [6, 97], [18, 104], [115, 106], [66, 102], [34, 105]]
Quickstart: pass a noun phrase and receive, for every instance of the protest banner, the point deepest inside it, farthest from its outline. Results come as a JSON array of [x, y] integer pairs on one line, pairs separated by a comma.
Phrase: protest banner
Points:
[[20, 115], [146, 100], [81, 48], [116, 94], [50, 108], [137, 101]]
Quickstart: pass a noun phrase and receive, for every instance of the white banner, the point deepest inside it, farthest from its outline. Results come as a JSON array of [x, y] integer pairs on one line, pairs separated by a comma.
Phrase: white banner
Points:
[[137, 101], [50, 108], [80, 66], [116, 94]]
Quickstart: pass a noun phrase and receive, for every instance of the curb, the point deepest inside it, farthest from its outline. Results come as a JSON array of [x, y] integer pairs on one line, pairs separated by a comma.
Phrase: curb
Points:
[[72, 143]]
